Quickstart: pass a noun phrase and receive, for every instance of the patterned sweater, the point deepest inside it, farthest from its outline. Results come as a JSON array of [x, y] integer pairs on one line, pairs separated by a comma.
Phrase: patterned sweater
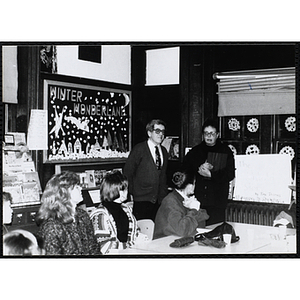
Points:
[[106, 229], [74, 238]]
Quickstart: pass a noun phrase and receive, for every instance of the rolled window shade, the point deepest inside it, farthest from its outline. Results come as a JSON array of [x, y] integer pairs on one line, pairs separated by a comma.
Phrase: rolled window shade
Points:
[[256, 92]]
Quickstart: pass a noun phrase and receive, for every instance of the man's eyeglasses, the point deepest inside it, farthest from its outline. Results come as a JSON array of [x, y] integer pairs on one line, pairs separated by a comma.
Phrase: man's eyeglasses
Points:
[[158, 131], [206, 133]]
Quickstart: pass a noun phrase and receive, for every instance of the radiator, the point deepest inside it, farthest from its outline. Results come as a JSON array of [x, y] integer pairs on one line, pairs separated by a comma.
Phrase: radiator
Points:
[[253, 213]]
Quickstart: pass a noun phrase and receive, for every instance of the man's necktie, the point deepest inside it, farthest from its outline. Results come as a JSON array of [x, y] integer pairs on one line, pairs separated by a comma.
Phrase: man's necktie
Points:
[[157, 158]]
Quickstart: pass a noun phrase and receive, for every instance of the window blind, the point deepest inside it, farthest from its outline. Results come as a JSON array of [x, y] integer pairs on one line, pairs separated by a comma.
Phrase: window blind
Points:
[[256, 92]]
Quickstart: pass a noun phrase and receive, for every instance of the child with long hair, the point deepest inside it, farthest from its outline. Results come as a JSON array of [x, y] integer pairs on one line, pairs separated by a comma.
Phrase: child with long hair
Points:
[[64, 228]]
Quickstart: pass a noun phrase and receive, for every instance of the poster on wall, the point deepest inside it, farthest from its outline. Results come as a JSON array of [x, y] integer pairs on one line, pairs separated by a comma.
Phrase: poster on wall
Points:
[[263, 178], [86, 122], [37, 134], [171, 143]]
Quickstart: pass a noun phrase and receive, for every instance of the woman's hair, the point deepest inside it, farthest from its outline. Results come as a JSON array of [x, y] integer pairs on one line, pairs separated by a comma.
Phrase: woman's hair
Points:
[[20, 242], [182, 178], [111, 185], [6, 197], [150, 125], [56, 202], [210, 122]]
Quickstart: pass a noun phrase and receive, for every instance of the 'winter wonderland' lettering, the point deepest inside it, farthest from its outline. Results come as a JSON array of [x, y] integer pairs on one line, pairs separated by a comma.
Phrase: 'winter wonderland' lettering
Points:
[[98, 110], [65, 94]]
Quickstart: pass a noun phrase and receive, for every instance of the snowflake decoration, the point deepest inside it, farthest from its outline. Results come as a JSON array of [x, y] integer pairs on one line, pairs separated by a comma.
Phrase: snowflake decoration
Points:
[[233, 149], [288, 150], [252, 150], [253, 125], [290, 124], [234, 124]]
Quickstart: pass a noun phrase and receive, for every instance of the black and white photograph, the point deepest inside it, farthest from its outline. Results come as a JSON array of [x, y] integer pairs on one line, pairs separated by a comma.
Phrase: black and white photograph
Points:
[[115, 131], [157, 166]]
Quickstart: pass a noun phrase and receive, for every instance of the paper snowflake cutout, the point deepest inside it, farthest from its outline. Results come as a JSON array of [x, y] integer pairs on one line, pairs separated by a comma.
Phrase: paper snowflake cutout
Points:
[[290, 124], [233, 149], [234, 124], [252, 150], [253, 125], [288, 150]]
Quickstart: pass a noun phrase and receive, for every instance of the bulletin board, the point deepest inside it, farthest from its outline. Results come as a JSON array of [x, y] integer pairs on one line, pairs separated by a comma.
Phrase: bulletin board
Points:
[[263, 178], [86, 122]]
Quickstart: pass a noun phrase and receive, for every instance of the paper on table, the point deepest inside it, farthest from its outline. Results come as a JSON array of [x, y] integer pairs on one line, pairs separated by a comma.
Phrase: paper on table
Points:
[[203, 230]]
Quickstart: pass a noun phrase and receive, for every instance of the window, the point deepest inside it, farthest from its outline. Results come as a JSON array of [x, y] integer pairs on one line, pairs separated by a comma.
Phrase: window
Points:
[[162, 66]]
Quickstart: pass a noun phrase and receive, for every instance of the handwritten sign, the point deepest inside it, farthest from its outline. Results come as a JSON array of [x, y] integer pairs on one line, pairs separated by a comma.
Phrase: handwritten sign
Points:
[[37, 130], [263, 178]]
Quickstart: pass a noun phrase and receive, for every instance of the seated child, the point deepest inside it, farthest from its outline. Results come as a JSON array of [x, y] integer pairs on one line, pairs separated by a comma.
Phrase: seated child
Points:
[[180, 213], [288, 216], [114, 224], [64, 228], [7, 211], [20, 242]]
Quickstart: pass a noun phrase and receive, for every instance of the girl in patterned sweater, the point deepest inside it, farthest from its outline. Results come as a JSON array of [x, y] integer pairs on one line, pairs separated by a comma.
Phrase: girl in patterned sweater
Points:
[[114, 224]]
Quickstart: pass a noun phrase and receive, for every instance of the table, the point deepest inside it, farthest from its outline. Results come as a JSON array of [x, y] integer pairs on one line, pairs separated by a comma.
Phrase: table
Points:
[[254, 239]]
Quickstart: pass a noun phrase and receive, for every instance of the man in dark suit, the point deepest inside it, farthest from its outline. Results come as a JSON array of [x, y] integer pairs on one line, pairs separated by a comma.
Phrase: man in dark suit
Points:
[[145, 170]]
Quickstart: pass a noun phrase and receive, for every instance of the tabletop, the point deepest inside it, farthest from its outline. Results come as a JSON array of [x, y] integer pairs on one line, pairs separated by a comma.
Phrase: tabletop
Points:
[[254, 239]]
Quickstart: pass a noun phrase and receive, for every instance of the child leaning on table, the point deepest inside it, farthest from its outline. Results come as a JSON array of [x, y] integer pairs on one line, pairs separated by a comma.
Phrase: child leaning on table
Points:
[[114, 224], [180, 213]]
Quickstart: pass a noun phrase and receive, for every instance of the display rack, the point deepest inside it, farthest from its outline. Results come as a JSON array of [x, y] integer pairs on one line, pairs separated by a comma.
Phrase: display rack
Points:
[[91, 171], [20, 178]]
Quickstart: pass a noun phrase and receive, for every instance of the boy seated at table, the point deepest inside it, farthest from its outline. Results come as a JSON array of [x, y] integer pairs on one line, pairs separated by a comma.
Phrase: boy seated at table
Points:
[[180, 213]]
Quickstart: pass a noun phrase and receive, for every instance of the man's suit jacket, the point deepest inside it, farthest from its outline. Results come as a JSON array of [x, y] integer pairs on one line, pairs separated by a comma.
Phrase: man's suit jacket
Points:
[[145, 182]]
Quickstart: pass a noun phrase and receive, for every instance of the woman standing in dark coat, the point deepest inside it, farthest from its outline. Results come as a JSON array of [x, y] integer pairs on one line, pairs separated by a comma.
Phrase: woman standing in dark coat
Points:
[[213, 164]]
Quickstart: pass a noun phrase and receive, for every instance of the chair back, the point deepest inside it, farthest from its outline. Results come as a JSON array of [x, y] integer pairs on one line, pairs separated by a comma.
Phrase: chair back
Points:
[[147, 227]]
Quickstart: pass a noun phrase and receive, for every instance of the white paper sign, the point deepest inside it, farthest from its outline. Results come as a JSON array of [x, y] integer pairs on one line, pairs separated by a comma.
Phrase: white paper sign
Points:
[[37, 138], [263, 178]]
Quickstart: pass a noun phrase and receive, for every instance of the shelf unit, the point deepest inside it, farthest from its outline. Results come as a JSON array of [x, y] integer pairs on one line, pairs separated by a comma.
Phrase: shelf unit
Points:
[[83, 165]]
